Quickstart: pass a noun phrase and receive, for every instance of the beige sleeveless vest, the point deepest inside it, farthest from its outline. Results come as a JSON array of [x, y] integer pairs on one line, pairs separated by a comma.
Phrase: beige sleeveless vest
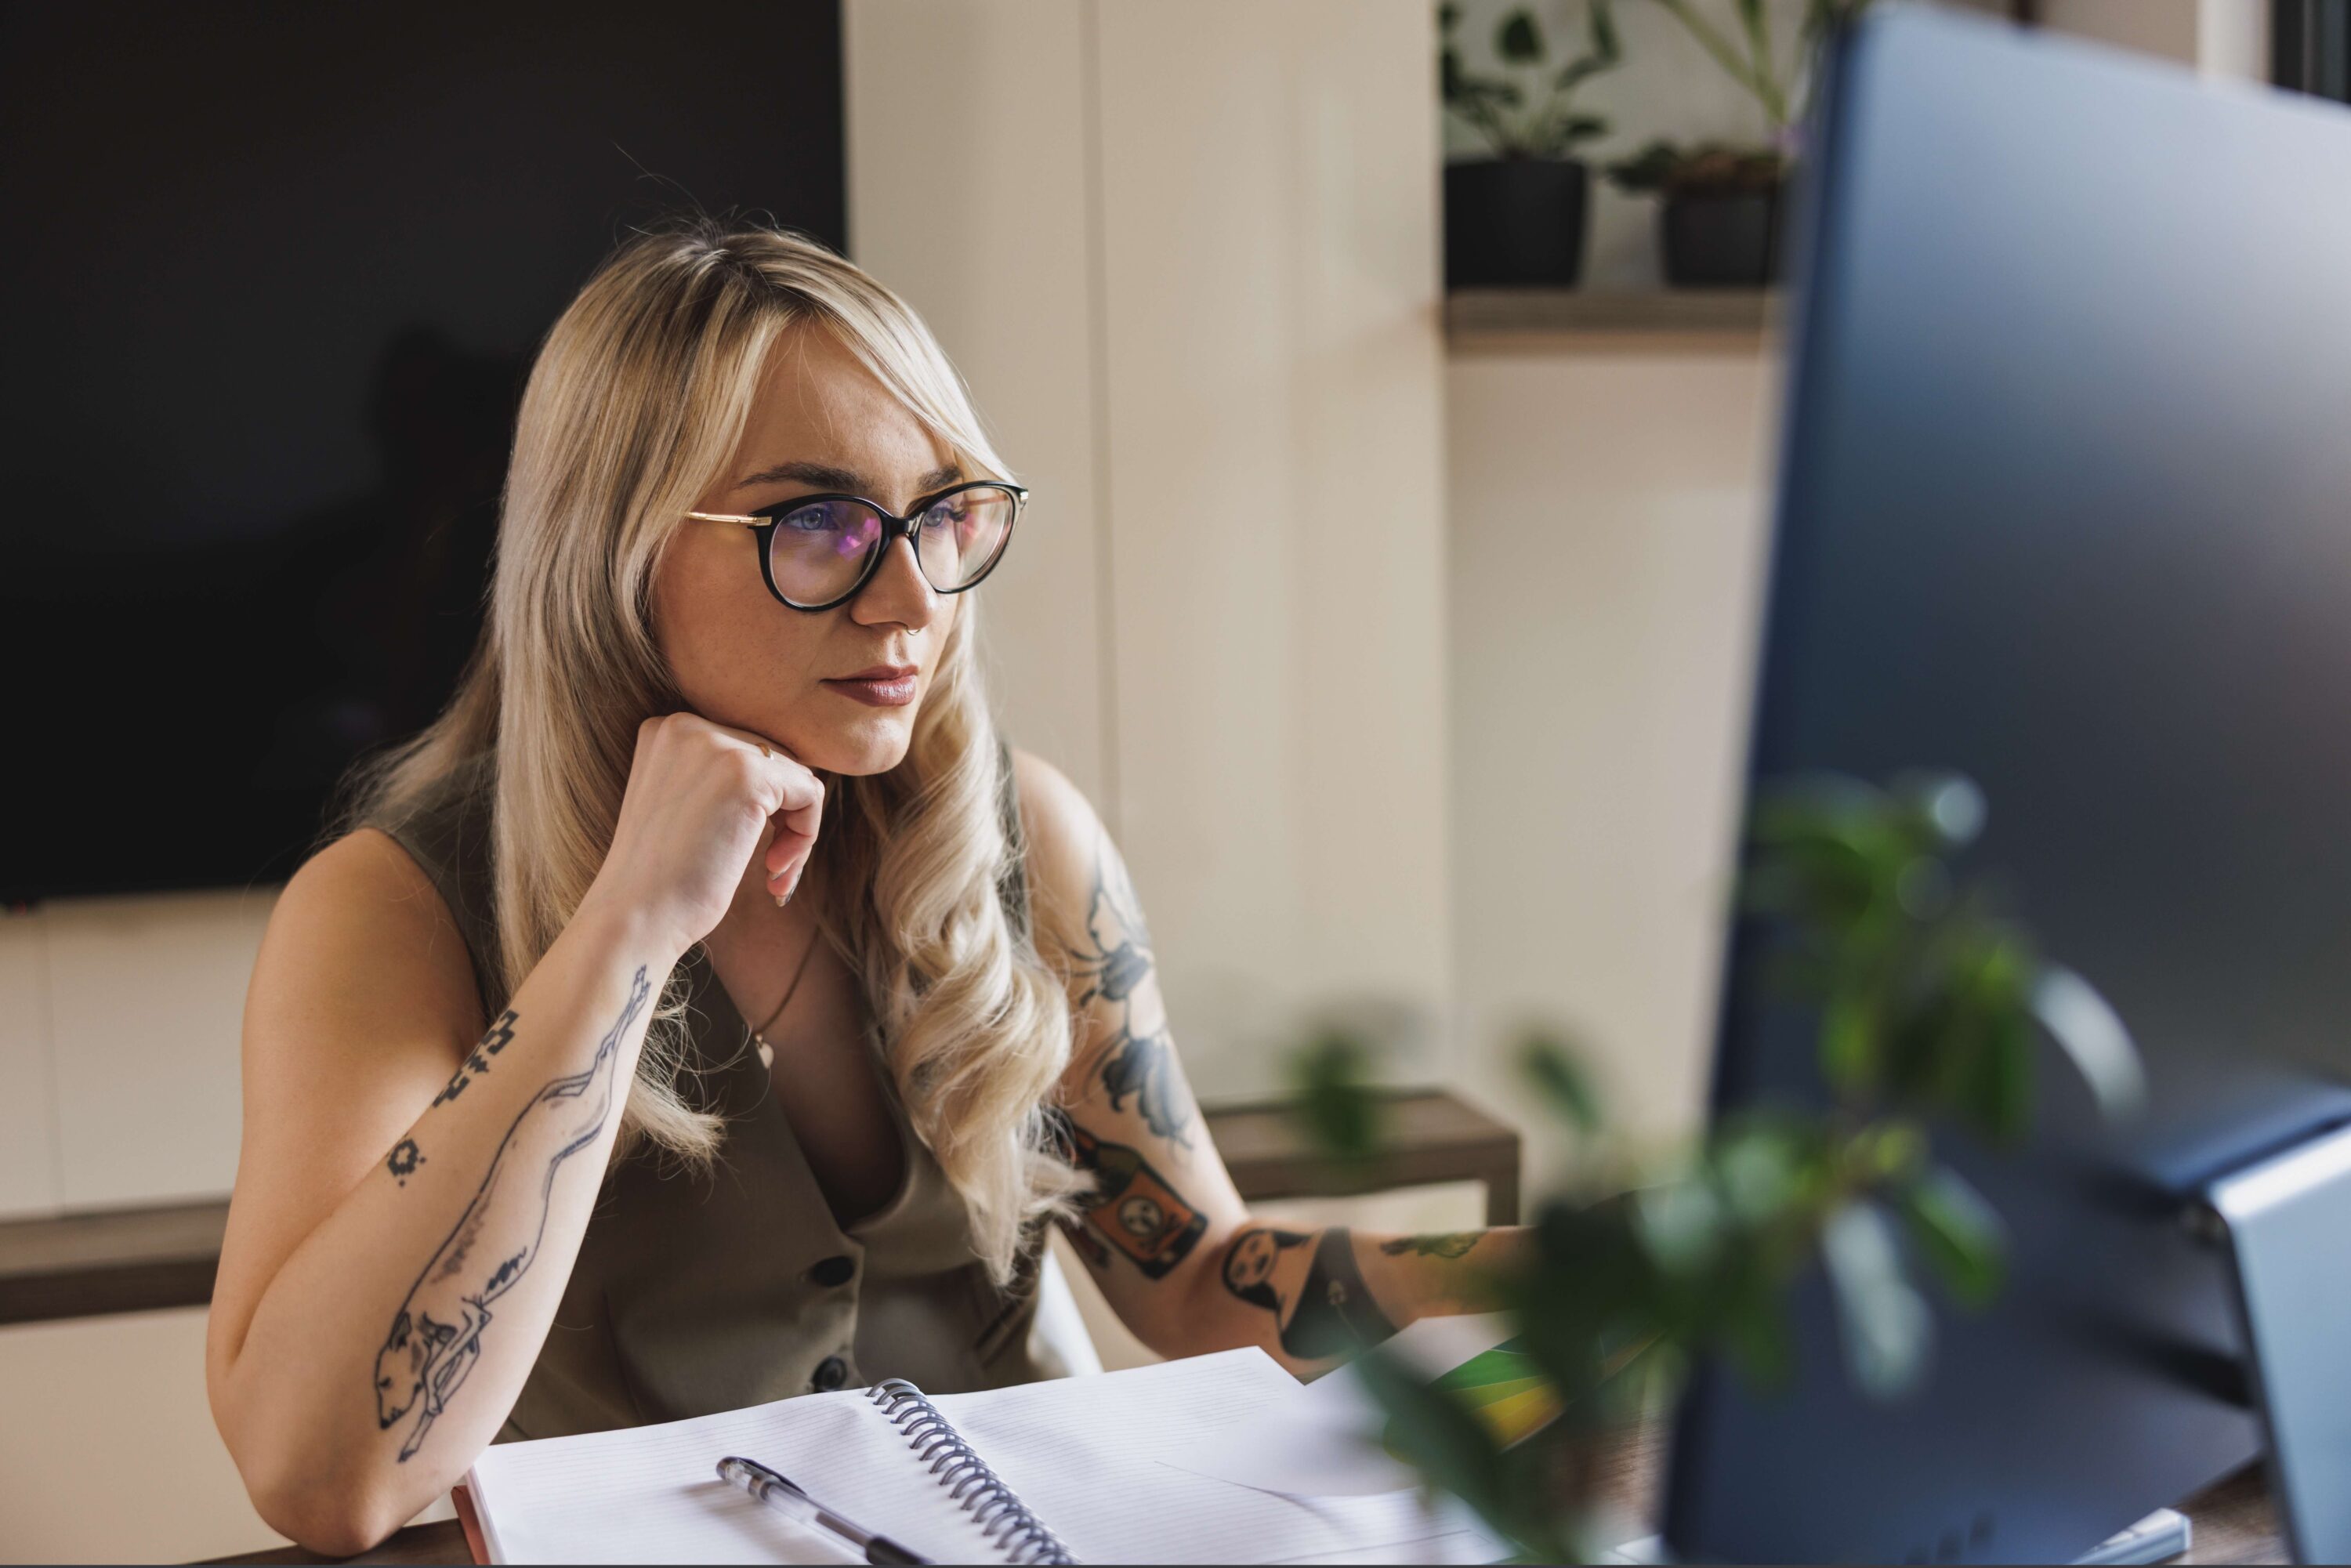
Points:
[[694, 1295]]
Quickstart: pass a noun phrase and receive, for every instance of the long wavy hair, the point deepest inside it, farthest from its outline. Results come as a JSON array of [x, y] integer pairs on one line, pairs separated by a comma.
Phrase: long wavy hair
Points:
[[636, 402]]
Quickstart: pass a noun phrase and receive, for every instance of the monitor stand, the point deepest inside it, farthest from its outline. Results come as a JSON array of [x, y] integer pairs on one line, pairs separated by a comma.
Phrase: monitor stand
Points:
[[2286, 1222]]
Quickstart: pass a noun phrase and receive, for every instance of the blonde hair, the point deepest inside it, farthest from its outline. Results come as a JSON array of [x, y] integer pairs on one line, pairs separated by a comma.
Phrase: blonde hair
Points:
[[637, 401]]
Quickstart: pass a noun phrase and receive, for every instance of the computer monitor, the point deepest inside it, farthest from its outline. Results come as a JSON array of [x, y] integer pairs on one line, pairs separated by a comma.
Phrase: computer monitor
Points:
[[2064, 506]]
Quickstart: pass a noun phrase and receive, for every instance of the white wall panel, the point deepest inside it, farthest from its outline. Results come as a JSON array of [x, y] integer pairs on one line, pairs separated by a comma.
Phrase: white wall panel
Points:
[[147, 1000], [1200, 255], [1608, 526], [28, 1150], [1277, 507], [2166, 27], [968, 195]]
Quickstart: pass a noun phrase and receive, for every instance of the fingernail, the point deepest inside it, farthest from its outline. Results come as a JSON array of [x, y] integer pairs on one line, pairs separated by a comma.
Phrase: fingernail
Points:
[[782, 899]]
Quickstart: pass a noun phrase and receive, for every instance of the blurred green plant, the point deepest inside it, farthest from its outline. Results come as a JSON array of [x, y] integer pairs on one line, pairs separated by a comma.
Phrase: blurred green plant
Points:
[[1779, 82], [1929, 1006], [1332, 1086], [1528, 111]]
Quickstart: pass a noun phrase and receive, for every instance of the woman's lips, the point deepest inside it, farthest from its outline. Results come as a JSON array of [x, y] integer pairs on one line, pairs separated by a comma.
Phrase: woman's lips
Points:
[[881, 687]]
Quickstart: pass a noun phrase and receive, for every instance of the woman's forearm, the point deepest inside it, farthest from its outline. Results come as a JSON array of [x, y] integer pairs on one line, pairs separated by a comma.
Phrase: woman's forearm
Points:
[[1312, 1299], [1435, 1274], [385, 1353]]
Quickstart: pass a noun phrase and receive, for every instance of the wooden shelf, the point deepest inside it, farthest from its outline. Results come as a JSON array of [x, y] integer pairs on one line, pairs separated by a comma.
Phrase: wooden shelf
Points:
[[1430, 1137], [145, 1260], [1543, 320], [128, 1261]]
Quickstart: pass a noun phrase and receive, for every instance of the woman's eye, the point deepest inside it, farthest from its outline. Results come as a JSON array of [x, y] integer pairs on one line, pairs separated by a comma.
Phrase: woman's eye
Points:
[[811, 521], [944, 515]]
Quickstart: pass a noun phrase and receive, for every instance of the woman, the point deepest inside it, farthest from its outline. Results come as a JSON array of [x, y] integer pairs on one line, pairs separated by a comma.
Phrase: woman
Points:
[[707, 1009]]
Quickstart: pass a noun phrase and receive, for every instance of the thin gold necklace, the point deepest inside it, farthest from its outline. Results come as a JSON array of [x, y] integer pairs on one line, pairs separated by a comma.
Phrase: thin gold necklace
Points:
[[760, 1035]]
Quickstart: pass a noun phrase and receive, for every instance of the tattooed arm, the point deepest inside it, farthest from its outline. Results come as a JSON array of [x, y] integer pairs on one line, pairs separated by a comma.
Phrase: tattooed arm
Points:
[[416, 1180], [373, 1322], [1165, 1233]]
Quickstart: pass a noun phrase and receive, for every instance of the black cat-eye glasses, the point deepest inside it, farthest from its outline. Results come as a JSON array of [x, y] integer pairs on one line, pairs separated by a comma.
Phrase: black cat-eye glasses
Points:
[[817, 551]]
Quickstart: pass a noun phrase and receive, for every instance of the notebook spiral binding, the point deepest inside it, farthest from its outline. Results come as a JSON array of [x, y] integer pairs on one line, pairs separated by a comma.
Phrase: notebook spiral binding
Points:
[[1004, 1519]]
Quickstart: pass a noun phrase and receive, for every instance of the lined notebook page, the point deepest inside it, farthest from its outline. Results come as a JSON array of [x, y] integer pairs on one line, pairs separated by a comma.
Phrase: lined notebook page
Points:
[[1081, 1454], [1079, 1451], [651, 1494]]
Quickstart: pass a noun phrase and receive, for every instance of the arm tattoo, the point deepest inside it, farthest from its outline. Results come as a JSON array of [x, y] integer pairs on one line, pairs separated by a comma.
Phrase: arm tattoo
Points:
[[436, 1336], [403, 1160], [1137, 1061], [1132, 1206], [1329, 1312], [478, 1062], [1454, 1244]]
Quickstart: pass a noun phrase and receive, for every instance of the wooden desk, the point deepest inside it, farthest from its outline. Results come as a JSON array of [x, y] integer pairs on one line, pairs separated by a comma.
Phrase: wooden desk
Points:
[[143, 1260], [2234, 1521]]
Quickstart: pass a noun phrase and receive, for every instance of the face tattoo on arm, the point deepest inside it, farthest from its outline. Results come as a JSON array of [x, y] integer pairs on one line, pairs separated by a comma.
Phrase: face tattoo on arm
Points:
[[436, 1335], [1132, 1206], [1333, 1315]]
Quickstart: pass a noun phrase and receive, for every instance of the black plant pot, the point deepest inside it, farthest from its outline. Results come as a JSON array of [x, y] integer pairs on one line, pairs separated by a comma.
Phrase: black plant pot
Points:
[[1720, 240], [1515, 222]]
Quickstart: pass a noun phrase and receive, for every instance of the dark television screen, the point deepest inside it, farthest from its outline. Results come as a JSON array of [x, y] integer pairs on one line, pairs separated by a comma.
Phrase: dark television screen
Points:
[[274, 277]]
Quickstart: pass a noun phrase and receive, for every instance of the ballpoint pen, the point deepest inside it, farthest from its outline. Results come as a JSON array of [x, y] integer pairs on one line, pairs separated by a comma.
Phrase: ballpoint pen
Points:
[[777, 1493]]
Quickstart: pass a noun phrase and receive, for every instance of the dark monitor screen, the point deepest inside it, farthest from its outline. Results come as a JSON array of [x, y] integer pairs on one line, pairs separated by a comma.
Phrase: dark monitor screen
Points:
[[274, 277], [2066, 507]]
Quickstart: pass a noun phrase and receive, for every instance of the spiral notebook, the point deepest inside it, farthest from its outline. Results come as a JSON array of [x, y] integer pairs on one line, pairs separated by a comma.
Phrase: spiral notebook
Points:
[[1067, 1471]]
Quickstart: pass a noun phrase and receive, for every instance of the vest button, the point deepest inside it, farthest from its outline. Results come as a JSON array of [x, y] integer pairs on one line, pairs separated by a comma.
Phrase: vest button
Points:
[[831, 1374], [832, 1272]]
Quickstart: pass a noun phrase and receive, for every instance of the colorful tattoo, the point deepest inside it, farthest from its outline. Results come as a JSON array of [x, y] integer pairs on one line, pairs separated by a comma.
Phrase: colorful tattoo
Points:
[[1133, 1206], [1454, 1244]]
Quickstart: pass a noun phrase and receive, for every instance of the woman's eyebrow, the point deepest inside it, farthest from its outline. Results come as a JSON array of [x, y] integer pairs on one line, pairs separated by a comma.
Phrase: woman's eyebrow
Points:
[[825, 476]]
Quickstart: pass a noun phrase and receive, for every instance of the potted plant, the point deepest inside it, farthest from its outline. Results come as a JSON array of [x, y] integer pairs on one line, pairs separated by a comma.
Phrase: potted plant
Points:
[[1718, 217], [1927, 1007], [1516, 219]]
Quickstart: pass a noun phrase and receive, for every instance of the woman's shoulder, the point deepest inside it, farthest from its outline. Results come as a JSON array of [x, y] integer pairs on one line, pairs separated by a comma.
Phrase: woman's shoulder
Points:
[[401, 881], [1064, 842], [362, 914], [1054, 812], [365, 876]]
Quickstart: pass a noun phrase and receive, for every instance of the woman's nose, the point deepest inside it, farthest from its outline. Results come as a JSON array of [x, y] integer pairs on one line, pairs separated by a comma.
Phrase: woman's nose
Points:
[[897, 590]]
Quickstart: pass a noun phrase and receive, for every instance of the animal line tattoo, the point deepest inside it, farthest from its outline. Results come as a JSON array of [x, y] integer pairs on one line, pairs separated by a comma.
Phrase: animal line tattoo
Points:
[[436, 1336], [1332, 1312], [1139, 1059]]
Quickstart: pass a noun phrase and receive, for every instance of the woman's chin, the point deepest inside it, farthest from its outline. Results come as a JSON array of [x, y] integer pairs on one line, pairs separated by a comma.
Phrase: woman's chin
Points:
[[870, 743]]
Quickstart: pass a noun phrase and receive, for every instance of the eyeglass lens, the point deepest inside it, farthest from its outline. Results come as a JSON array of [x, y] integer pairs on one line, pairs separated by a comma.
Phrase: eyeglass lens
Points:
[[816, 552]]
